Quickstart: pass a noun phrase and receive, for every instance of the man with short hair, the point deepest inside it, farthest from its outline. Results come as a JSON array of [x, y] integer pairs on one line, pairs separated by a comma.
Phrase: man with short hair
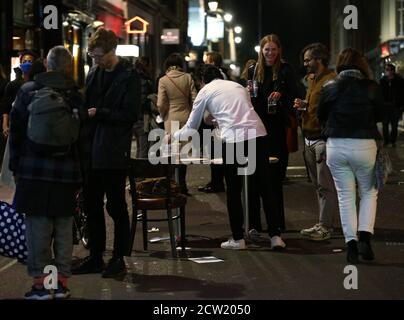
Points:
[[241, 130], [316, 60], [393, 93], [113, 99], [46, 182]]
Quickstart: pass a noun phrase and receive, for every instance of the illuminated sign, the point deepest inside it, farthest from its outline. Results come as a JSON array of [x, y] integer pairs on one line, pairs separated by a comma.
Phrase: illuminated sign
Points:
[[143, 26], [170, 36], [215, 28], [127, 51]]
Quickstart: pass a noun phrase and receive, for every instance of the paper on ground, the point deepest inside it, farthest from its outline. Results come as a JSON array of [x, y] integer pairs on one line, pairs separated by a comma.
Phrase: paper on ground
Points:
[[205, 260]]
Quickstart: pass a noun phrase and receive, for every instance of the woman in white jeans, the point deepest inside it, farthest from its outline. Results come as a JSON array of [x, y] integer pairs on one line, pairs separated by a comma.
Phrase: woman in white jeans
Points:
[[349, 109]]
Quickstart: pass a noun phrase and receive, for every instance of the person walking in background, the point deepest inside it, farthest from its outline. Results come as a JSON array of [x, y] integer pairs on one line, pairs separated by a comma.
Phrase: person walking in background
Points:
[[3, 83], [244, 74], [349, 108], [393, 93], [316, 60], [176, 94], [141, 127], [216, 183], [113, 97], [10, 93], [276, 84], [48, 178]]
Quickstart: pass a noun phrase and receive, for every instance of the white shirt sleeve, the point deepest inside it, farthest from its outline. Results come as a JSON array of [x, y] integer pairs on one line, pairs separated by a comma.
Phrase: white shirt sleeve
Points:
[[195, 118]]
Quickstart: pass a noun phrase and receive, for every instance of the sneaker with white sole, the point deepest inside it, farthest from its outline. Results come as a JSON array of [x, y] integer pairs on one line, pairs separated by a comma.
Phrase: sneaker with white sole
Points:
[[232, 244], [309, 231], [321, 234], [277, 243], [38, 293]]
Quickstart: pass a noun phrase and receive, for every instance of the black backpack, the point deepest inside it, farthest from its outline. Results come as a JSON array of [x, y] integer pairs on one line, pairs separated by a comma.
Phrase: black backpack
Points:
[[53, 125]]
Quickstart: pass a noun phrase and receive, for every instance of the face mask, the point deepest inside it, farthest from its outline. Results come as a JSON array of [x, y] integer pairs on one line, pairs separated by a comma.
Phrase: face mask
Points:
[[25, 67]]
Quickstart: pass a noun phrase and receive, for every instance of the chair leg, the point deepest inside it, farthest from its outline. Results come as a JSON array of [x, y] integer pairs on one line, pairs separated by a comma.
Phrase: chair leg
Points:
[[144, 220], [132, 232], [183, 234], [172, 236]]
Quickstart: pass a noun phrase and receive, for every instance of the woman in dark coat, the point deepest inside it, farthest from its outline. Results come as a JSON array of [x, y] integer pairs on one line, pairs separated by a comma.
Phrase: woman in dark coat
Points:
[[276, 82]]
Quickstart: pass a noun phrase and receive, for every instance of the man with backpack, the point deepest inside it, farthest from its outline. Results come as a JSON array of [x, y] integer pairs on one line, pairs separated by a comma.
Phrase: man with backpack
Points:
[[113, 99], [47, 160]]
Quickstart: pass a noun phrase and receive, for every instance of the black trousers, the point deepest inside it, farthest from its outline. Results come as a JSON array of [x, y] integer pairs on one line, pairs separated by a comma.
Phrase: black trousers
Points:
[[392, 118], [264, 183], [217, 175], [111, 183]]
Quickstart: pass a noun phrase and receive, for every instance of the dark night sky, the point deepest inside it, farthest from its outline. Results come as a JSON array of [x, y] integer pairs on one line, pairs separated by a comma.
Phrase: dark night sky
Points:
[[296, 22]]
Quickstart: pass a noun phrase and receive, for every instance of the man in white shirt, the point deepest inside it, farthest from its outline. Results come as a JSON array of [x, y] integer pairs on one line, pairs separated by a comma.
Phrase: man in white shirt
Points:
[[241, 130]]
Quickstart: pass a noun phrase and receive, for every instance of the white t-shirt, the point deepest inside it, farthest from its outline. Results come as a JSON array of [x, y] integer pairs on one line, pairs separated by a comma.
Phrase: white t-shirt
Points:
[[229, 103]]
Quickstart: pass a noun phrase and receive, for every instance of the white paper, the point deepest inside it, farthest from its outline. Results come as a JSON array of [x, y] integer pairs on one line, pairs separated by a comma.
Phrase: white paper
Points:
[[205, 260]]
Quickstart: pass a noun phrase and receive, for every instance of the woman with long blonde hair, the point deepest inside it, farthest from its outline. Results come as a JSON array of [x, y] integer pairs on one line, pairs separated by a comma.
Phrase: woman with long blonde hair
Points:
[[276, 83]]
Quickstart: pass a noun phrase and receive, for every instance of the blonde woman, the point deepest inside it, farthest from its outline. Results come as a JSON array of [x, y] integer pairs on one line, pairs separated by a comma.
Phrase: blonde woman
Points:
[[276, 82]]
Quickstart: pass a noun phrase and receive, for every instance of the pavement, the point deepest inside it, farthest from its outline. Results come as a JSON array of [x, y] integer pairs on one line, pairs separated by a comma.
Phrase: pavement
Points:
[[306, 270]]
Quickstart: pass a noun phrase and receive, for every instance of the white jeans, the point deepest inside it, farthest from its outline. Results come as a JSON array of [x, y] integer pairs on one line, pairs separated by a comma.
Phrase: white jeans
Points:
[[349, 159]]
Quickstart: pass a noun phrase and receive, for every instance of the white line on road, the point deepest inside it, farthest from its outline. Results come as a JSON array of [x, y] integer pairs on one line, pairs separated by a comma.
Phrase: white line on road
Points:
[[9, 265]]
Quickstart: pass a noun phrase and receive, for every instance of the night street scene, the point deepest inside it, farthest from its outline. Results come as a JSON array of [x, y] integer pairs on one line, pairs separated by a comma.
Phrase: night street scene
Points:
[[200, 158]]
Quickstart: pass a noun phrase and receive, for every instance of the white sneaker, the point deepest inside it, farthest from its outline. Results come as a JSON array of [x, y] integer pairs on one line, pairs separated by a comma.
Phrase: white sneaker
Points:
[[234, 245], [277, 243], [308, 232]]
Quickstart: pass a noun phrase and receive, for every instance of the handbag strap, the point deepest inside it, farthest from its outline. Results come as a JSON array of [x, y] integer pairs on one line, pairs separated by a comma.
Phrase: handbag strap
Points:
[[183, 93]]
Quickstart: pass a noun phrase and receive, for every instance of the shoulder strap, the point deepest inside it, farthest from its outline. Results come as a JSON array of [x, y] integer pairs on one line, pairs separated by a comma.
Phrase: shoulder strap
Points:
[[183, 93]]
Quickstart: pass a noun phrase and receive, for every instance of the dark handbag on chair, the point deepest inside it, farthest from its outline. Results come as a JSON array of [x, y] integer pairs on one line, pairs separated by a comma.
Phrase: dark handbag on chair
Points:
[[153, 194], [156, 188]]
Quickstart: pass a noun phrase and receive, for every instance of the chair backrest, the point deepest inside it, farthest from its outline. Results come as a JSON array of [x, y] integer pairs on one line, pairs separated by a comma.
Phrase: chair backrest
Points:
[[142, 168]]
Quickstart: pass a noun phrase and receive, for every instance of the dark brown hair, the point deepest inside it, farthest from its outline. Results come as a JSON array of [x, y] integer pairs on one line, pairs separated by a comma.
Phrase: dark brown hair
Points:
[[174, 60], [318, 51], [249, 63], [104, 39], [216, 58], [353, 59]]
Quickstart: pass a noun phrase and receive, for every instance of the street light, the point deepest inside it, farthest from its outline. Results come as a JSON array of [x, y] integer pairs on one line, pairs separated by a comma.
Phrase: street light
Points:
[[238, 29], [213, 5], [238, 40], [228, 17]]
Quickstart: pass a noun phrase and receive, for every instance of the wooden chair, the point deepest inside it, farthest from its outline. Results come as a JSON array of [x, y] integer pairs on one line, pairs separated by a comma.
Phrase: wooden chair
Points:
[[142, 168]]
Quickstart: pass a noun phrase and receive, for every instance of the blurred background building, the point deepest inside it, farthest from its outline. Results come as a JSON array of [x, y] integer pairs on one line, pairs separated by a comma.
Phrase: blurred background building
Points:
[[141, 26]]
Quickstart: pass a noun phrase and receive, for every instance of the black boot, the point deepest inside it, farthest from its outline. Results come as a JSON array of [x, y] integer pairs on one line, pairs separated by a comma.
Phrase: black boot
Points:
[[352, 252], [365, 249]]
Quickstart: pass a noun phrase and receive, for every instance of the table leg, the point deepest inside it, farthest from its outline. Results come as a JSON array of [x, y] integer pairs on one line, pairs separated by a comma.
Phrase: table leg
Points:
[[246, 202]]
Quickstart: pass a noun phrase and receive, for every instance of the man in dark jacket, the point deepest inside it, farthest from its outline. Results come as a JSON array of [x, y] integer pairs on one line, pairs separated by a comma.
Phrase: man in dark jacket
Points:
[[393, 92], [113, 102], [46, 184]]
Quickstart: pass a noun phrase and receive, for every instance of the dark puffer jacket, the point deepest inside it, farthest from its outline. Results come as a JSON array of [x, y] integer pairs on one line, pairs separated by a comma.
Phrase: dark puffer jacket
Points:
[[350, 106]]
